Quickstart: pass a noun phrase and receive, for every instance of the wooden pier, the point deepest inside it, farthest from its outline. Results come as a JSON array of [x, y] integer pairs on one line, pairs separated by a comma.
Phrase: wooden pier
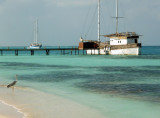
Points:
[[61, 51]]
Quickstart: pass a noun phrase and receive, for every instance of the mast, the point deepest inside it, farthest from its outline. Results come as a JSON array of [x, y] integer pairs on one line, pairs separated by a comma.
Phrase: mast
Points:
[[117, 17], [34, 41], [98, 20], [36, 31]]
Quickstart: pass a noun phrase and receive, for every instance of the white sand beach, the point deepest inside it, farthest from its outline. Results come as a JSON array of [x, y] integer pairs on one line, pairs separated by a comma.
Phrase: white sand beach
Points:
[[8, 111], [35, 104]]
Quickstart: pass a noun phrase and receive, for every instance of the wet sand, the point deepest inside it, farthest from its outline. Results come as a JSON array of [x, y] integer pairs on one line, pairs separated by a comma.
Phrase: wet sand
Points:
[[35, 104], [8, 111]]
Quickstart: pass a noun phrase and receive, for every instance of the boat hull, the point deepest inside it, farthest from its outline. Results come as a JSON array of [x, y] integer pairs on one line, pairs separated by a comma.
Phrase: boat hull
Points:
[[97, 52], [127, 51], [34, 47]]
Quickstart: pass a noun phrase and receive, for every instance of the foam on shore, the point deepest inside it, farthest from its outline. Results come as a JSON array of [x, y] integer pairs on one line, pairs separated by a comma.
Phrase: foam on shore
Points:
[[30, 103], [10, 111]]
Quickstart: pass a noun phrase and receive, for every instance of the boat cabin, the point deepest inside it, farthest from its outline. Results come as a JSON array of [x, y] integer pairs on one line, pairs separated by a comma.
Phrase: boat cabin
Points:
[[123, 38], [88, 44]]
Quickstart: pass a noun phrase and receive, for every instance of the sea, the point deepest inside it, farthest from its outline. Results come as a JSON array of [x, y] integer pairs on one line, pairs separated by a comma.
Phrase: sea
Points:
[[115, 86]]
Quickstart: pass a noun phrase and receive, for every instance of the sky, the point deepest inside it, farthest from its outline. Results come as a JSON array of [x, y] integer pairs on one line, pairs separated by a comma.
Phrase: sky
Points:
[[63, 22]]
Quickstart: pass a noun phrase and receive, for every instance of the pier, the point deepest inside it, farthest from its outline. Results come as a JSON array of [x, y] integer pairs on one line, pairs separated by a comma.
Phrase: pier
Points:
[[46, 51]]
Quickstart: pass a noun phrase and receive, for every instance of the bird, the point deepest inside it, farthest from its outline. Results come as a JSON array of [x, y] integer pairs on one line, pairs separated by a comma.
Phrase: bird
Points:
[[13, 83]]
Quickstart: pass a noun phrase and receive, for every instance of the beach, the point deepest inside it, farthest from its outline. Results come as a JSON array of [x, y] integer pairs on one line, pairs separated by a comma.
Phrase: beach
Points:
[[8, 111], [27, 103]]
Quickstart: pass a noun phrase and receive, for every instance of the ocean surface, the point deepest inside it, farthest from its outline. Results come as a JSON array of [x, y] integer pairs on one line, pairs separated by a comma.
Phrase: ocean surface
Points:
[[116, 86]]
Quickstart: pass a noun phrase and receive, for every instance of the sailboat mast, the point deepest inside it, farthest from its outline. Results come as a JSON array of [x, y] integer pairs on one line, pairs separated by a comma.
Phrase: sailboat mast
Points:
[[36, 31], [34, 41], [117, 16], [98, 20]]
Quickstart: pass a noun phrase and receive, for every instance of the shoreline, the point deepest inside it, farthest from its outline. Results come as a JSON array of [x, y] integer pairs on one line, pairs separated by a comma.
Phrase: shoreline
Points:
[[9, 111], [32, 103]]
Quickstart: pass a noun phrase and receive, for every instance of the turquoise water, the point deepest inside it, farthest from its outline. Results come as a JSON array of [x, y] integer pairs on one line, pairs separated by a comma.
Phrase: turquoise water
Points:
[[117, 86]]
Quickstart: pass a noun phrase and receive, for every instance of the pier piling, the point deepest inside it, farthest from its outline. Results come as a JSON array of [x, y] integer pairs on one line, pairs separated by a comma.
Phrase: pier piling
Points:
[[47, 52], [75, 51], [61, 52], [1, 53], [16, 52], [32, 52]]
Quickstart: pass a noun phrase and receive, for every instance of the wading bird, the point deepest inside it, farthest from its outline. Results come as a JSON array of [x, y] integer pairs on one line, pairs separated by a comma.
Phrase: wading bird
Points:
[[13, 83]]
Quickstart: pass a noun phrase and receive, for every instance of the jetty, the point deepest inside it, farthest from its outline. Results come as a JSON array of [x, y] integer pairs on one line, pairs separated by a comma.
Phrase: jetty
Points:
[[46, 51]]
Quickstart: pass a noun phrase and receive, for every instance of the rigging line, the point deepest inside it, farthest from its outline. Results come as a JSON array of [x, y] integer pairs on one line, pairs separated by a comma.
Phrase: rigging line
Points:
[[103, 21], [92, 21], [86, 18], [110, 6], [39, 38], [91, 31], [32, 34], [93, 17], [91, 28], [102, 27], [109, 16]]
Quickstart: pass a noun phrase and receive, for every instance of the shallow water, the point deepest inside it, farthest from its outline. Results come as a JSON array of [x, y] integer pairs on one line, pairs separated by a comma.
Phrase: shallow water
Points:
[[116, 86]]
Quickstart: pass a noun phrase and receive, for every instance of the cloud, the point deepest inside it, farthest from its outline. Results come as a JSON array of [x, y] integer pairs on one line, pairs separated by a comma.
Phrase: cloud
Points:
[[68, 17]]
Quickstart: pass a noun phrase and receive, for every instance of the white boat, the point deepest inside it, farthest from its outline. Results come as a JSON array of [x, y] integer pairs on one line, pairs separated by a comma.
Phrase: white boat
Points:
[[35, 44], [125, 43]]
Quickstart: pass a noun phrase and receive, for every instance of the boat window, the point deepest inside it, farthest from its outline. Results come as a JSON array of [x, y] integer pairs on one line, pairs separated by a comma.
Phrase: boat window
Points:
[[136, 41]]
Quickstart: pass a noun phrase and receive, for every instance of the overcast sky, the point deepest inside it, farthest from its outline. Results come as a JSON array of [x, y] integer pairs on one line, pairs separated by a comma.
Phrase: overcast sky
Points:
[[63, 22]]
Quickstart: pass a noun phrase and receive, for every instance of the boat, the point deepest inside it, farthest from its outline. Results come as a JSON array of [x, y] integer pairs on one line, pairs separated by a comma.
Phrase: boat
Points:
[[35, 44], [124, 43]]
